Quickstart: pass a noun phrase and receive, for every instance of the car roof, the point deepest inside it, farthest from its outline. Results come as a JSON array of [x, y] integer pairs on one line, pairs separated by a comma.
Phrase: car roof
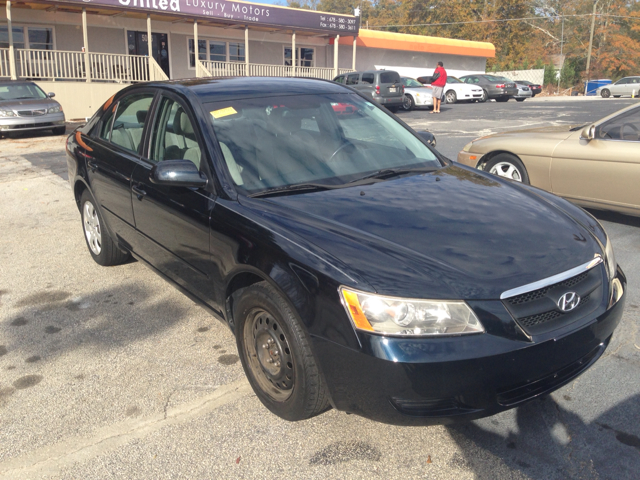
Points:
[[221, 89]]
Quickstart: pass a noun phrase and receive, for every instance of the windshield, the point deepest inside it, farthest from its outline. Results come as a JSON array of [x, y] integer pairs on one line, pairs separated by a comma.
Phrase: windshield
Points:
[[411, 83], [453, 80], [331, 139], [21, 91]]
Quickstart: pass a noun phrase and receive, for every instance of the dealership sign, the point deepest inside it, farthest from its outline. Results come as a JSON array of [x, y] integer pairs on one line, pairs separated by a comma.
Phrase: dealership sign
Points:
[[238, 12]]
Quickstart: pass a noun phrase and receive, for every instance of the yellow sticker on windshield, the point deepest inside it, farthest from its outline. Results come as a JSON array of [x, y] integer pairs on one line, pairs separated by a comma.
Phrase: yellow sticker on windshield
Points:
[[223, 112]]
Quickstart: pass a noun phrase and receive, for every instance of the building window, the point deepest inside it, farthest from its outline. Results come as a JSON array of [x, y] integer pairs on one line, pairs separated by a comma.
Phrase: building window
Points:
[[18, 37], [236, 52], [40, 38], [217, 51], [202, 52], [304, 56]]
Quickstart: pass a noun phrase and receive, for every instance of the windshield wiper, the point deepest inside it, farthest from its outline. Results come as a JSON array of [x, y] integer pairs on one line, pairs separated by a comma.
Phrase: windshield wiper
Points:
[[24, 98], [387, 173], [299, 187]]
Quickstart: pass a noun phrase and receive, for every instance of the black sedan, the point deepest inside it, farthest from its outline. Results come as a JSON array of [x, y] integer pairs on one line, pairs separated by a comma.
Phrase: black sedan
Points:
[[357, 268]]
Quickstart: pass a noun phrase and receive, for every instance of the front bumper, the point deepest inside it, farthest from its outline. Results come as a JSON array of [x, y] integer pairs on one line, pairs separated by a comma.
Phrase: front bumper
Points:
[[41, 122], [446, 380], [423, 100], [469, 158]]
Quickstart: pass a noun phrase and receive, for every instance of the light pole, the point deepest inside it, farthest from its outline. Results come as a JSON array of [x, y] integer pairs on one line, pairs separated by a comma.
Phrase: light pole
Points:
[[593, 25]]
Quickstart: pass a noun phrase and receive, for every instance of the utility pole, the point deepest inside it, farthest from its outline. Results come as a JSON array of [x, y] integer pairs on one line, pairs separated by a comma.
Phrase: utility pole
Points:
[[593, 26]]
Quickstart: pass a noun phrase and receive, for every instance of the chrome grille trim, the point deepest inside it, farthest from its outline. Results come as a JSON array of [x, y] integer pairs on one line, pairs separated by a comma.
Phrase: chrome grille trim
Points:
[[545, 282]]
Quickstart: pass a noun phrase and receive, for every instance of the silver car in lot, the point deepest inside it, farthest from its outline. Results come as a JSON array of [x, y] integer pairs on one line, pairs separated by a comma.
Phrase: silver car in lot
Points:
[[524, 92], [624, 86], [416, 94], [25, 107]]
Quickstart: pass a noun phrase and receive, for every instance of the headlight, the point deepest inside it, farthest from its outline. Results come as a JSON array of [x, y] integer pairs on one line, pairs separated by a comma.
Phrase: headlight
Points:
[[408, 317], [610, 260], [7, 113], [467, 147], [55, 109]]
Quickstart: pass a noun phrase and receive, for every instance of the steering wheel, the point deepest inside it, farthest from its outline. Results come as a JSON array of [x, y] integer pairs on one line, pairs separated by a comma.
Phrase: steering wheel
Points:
[[630, 125], [340, 148]]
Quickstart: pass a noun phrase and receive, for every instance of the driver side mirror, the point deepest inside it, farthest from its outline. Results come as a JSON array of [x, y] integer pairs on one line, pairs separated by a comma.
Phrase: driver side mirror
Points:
[[51, 94], [588, 133], [177, 173]]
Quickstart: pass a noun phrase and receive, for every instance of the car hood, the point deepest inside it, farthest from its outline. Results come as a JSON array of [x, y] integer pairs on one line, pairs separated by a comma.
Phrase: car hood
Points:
[[558, 132], [454, 233], [28, 104]]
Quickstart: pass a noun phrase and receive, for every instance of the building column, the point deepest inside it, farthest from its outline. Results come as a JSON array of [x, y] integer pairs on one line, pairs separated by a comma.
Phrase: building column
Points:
[[85, 37], [353, 62], [336, 40], [246, 50], [293, 52], [12, 58], [152, 75]]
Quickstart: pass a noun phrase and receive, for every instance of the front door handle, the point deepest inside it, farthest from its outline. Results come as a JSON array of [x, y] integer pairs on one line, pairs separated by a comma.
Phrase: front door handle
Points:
[[139, 192]]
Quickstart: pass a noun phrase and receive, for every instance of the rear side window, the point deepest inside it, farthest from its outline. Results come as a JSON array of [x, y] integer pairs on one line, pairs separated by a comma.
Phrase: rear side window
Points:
[[368, 78], [389, 77], [352, 79], [129, 120]]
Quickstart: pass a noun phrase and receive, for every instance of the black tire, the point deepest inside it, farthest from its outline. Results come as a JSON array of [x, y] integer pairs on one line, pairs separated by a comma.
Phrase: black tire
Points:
[[450, 97], [519, 99], [292, 388], [484, 97], [502, 99], [105, 252], [59, 130], [605, 93], [503, 160], [408, 104], [393, 109]]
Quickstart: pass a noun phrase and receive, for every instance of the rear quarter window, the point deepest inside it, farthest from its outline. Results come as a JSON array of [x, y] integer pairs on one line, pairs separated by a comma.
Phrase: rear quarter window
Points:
[[389, 77], [367, 78]]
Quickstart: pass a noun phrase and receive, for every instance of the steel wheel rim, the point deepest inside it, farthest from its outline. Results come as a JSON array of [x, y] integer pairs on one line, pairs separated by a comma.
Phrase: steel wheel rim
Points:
[[268, 355], [92, 230], [508, 170]]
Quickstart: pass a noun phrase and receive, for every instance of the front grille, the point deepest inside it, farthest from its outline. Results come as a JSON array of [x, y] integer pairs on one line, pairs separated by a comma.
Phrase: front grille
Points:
[[32, 113], [538, 312]]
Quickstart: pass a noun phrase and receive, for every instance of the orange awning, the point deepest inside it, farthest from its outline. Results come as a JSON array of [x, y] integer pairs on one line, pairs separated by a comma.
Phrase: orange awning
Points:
[[420, 43]]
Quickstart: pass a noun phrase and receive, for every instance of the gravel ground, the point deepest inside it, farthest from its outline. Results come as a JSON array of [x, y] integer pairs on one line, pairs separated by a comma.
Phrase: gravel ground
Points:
[[112, 373]]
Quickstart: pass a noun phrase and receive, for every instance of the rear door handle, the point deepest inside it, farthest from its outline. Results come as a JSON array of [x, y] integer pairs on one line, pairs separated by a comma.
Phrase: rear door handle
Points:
[[139, 192]]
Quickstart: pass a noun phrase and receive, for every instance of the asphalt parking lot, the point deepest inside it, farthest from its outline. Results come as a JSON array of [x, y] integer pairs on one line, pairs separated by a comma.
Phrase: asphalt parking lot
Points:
[[112, 373]]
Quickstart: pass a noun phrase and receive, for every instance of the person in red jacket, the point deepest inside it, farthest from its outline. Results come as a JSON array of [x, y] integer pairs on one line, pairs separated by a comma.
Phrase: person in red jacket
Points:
[[438, 81]]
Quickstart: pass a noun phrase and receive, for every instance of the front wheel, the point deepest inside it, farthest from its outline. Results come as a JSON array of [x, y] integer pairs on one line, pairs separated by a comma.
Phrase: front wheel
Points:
[[605, 93], [451, 97], [276, 355], [408, 104], [508, 166], [484, 97], [103, 250]]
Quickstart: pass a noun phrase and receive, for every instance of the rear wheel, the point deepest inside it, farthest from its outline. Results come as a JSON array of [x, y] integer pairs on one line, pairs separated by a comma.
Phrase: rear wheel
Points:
[[605, 93], [276, 355], [484, 97], [508, 166], [103, 250], [451, 97], [408, 104]]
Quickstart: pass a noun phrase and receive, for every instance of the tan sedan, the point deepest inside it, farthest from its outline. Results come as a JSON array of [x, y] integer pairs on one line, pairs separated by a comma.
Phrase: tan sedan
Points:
[[596, 165]]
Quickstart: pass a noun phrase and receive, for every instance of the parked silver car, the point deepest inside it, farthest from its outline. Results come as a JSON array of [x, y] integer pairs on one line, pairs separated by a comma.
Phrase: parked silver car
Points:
[[624, 86], [416, 94], [524, 92], [24, 106]]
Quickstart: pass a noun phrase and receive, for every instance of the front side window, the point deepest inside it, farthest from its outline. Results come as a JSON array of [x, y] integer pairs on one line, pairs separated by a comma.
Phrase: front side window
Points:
[[331, 139], [173, 137], [625, 126], [352, 79], [622, 81], [411, 83], [339, 79], [128, 124]]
